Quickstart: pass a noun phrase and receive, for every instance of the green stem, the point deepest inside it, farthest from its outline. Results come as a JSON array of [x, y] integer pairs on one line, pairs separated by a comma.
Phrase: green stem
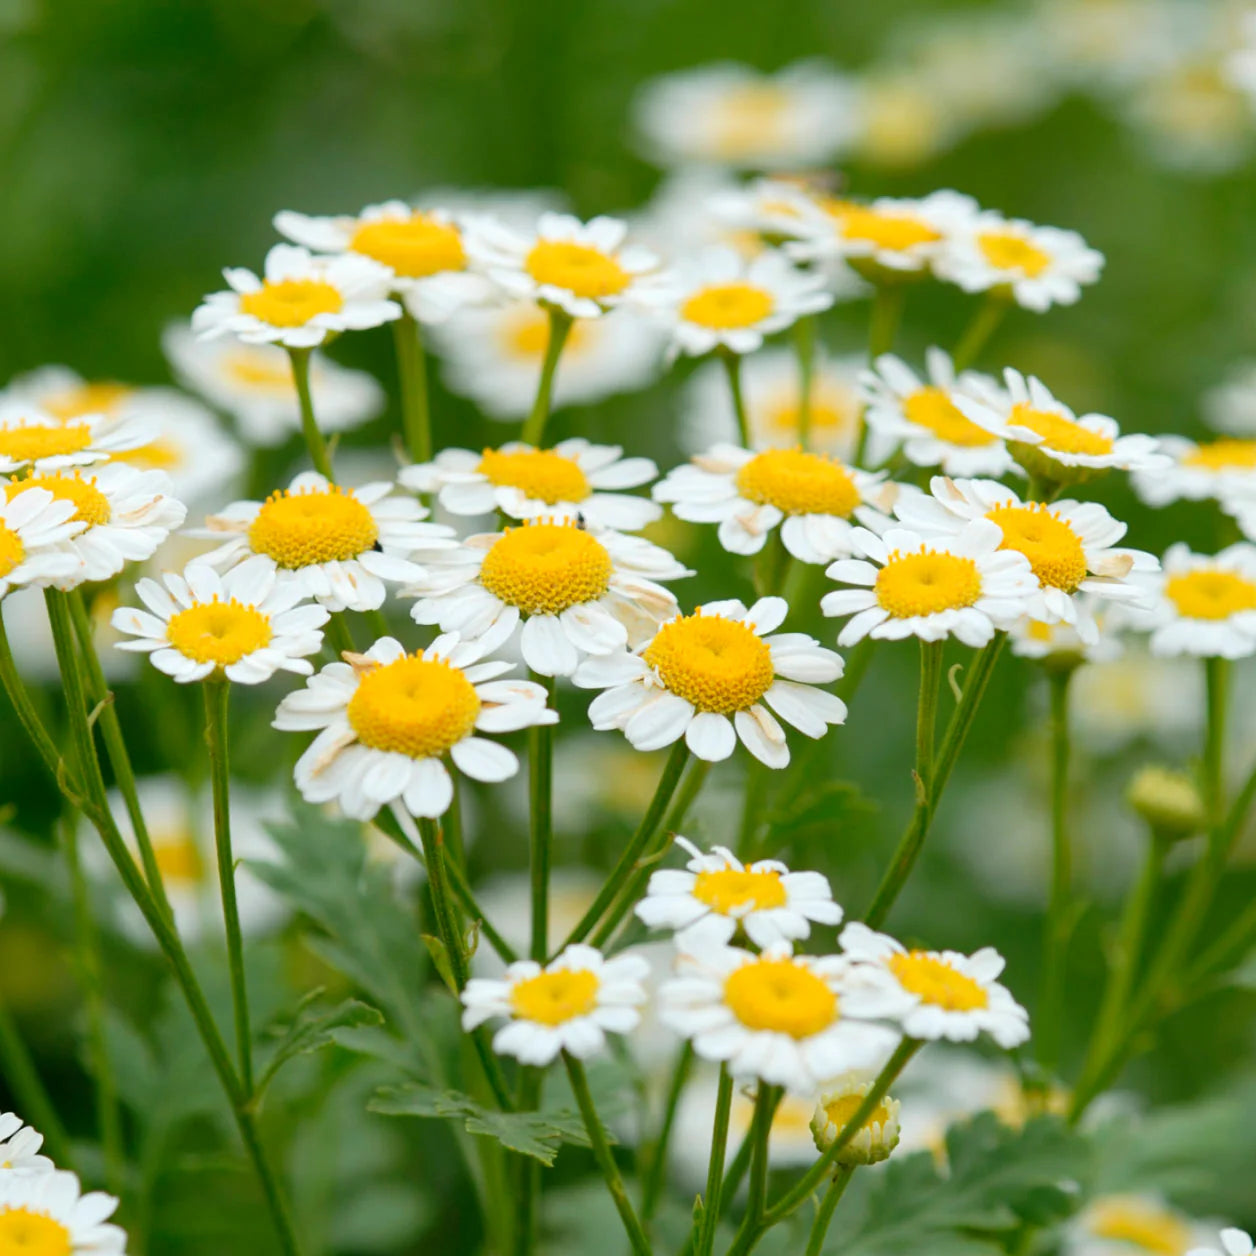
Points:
[[652, 1188], [534, 427], [527, 1168], [1217, 681], [711, 1200], [541, 796], [927, 709], [605, 1160], [732, 365], [29, 1093], [314, 441], [217, 693], [984, 323], [805, 347], [442, 905], [888, 300], [340, 634], [832, 1197], [760, 1138], [416, 421]]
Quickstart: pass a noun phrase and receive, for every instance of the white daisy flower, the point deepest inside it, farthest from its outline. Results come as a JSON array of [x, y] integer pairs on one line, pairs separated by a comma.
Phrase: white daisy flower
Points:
[[717, 894], [723, 302], [1088, 638], [1203, 604], [388, 719], [773, 396], [343, 546], [1197, 470], [1231, 405], [789, 1020], [300, 302], [940, 994], [733, 115], [1233, 1243], [34, 528], [706, 677], [1049, 440], [574, 479], [1131, 1225], [811, 497], [963, 586], [422, 250], [248, 624], [494, 357], [923, 417], [1037, 266], [48, 1213], [126, 514], [19, 1147], [569, 592], [253, 384], [31, 439], [569, 1005], [1070, 545], [874, 1140], [581, 268]]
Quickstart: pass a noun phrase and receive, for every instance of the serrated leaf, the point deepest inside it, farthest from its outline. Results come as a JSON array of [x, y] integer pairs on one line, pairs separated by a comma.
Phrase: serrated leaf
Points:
[[311, 1031]]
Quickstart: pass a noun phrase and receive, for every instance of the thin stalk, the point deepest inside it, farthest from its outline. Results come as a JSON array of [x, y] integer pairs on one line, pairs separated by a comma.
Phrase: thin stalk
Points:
[[605, 1159], [31, 1096], [217, 693], [761, 1135], [832, 1197], [732, 365], [1217, 681], [340, 635], [652, 1187], [527, 1168], [534, 426], [927, 709], [805, 348], [690, 787], [712, 1198], [442, 904], [984, 323], [314, 441], [888, 300], [416, 420], [541, 798]]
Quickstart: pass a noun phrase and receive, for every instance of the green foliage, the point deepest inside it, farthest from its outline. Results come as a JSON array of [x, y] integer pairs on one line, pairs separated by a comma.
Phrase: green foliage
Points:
[[312, 1029]]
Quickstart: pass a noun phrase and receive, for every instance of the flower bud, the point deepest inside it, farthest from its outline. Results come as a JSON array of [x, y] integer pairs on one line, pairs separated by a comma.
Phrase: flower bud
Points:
[[1168, 801], [875, 1139]]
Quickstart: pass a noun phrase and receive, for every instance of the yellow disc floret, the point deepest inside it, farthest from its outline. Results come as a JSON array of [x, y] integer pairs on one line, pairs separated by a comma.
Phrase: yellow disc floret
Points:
[[541, 474], [291, 302], [833, 411], [158, 455], [26, 1233], [1006, 250], [103, 397], [415, 706], [12, 551], [219, 632], [527, 335], [781, 996], [178, 857], [1060, 433], [554, 997], [733, 892], [1223, 455], [799, 483], [938, 983], [728, 306], [882, 229], [1140, 1225], [413, 247], [263, 369], [1054, 550], [933, 410], [29, 442], [926, 582], [1211, 593], [577, 268], [545, 568], [716, 664], [310, 526], [749, 119], [91, 506]]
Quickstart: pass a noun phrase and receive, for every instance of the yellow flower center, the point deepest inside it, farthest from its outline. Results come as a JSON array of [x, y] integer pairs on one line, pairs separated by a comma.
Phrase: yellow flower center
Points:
[[91, 506], [1141, 1225], [933, 410], [832, 411], [304, 528], [729, 891], [934, 981], [726, 306], [538, 473], [1223, 455], [12, 551], [412, 247], [544, 568], [256, 368], [749, 119], [799, 483], [32, 441], [178, 858], [891, 231], [527, 335], [716, 664], [291, 302], [1211, 594], [1005, 250], [554, 997], [781, 996], [926, 582], [414, 706], [1049, 542], [579, 268], [158, 455], [218, 632], [26, 1233], [1063, 435], [840, 1110], [103, 397]]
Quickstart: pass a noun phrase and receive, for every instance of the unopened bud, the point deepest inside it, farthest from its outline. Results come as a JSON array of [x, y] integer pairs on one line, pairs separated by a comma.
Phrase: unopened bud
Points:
[[1168, 801], [874, 1140]]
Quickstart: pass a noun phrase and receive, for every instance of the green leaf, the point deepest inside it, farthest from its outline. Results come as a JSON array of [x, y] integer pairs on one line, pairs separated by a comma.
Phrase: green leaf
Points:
[[536, 1134], [311, 1031]]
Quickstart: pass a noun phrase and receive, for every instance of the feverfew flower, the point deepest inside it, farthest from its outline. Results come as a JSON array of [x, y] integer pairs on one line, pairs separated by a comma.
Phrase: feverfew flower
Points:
[[341, 545], [1204, 605], [1231, 405], [32, 440], [34, 525], [1233, 1242], [940, 994], [19, 1146], [569, 1005], [1089, 638], [707, 677], [717, 894], [724, 302], [248, 624], [964, 586], [1127, 1225], [388, 720], [48, 1213], [789, 1020], [811, 497], [874, 1140], [569, 592], [581, 268], [1037, 267], [422, 250], [1218, 469], [924, 417], [301, 301], [573, 480]]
